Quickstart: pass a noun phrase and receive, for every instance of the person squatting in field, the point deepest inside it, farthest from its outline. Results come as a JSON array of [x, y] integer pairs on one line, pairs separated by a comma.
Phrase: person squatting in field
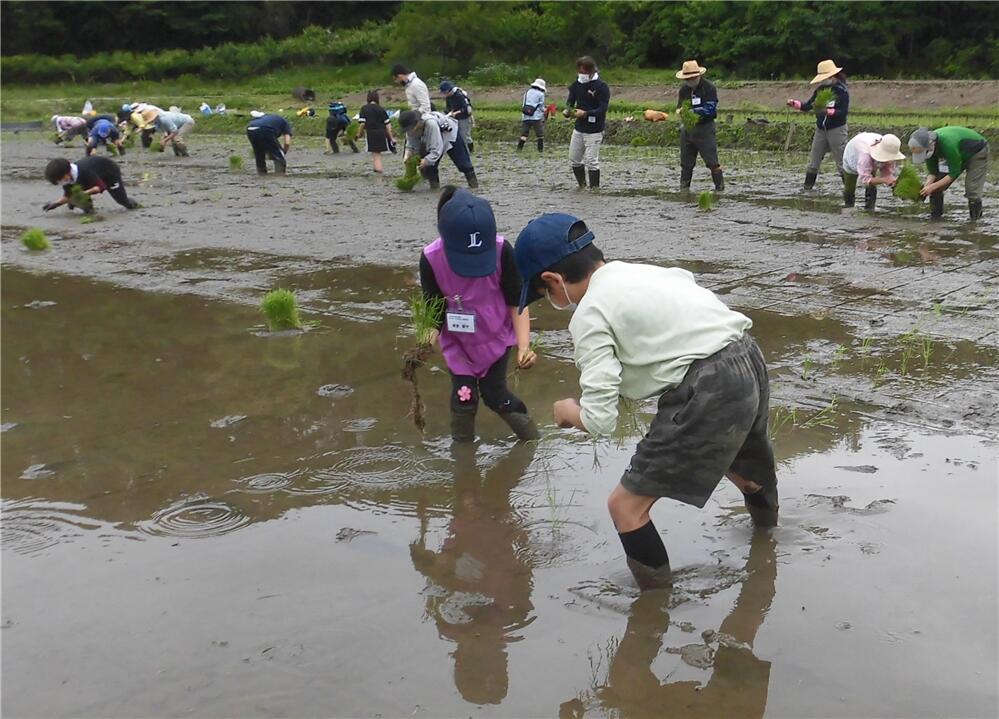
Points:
[[701, 138], [948, 152], [641, 331], [337, 122], [270, 135], [589, 97], [433, 135], [175, 126], [830, 121], [532, 113], [93, 175], [473, 270], [873, 160]]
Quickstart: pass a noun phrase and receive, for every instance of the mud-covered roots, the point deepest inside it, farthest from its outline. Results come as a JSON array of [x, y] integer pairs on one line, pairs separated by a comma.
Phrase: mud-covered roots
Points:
[[413, 359]]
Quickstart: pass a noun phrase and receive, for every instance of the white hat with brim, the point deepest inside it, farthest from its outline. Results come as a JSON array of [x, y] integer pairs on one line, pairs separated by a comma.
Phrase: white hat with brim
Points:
[[540, 84], [824, 70], [887, 150], [690, 69]]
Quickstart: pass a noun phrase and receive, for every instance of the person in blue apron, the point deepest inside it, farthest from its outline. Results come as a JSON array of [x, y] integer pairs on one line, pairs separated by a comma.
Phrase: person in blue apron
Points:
[[831, 132], [337, 122], [699, 139], [473, 270]]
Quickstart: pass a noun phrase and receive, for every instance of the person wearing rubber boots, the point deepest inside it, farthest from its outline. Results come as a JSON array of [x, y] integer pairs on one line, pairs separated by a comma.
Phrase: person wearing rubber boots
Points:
[[589, 97], [643, 331], [434, 134], [948, 152], [105, 132], [533, 114], [270, 135], [175, 126], [830, 121], [700, 139], [871, 159], [459, 106]]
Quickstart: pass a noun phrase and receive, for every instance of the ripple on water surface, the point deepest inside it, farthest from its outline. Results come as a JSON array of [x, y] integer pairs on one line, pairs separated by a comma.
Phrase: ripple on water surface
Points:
[[32, 525], [195, 517], [372, 468]]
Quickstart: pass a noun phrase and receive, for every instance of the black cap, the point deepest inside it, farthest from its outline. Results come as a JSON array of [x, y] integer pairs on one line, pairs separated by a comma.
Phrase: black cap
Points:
[[408, 119]]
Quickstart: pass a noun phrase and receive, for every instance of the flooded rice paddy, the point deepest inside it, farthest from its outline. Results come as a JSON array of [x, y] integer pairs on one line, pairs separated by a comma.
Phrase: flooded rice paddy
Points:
[[202, 519]]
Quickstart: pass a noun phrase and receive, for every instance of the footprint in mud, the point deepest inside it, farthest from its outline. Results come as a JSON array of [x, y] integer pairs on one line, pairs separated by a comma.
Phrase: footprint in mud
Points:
[[194, 518], [227, 421], [335, 391], [838, 503]]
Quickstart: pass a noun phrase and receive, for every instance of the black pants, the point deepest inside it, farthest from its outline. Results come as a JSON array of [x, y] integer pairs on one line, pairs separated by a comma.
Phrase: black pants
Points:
[[465, 390], [265, 143], [700, 140]]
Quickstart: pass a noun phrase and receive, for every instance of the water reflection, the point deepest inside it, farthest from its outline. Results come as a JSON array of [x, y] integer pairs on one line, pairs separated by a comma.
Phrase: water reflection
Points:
[[739, 681], [479, 581]]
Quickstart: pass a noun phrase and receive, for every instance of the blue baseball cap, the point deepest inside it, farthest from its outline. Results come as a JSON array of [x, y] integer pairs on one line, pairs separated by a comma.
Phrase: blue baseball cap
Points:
[[468, 229], [103, 128], [447, 86], [541, 244]]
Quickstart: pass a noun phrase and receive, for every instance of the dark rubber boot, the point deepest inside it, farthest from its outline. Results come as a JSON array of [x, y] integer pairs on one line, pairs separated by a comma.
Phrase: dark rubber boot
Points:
[[719, 178], [849, 198], [522, 425], [146, 138], [580, 173], [870, 197], [763, 507], [686, 175], [594, 178], [432, 175], [335, 146], [353, 146], [463, 425], [471, 148], [541, 144], [810, 180], [520, 145], [936, 206], [649, 577], [473, 181], [975, 209]]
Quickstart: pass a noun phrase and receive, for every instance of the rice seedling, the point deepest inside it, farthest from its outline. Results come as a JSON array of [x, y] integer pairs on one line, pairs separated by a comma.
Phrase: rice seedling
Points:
[[156, 146], [908, 184], [926, 345], [880, 373], [35, 239], [822, 99], [87, 219], [113, 149], [535, 347], [235, 162], [781, 416], [688, 117], [129, 141], [79, 198], [866, 345], [281, 310], [839, 354], [822, 418], [426, 316], [411, 177], [706, 200], [353, 131], [806, 367]]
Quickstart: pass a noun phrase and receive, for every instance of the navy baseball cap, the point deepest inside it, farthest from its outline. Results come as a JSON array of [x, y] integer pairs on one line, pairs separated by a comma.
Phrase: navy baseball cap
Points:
[[541, 244], [447, 86], [468, 228]]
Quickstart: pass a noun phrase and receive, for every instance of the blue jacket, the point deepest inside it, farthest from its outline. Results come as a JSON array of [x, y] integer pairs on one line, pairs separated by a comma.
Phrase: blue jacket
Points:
[[841, 107], [99, 127], [274, 124], [458, 102], [703, 100]]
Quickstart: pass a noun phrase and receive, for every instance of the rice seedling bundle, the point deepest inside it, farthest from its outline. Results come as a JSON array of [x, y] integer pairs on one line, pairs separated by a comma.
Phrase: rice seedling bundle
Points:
[[411, 177], [426, 314], [281, 310], [35, 239], [908, 184]]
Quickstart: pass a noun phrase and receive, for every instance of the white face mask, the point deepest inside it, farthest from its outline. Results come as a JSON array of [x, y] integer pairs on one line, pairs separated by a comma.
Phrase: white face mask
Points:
[[827, 83], [693, 82], [582, 78], [571, 306]]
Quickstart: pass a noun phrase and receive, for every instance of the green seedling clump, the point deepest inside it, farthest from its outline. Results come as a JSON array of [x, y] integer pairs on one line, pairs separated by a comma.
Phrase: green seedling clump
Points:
[[129, 141], [35, 239], [235, 162], [408, 181], [427, 314], [79, 198], [908, 185], [281, 311], [688, 117], [706, 200], [822, 98], [156, 146], [353, 130]]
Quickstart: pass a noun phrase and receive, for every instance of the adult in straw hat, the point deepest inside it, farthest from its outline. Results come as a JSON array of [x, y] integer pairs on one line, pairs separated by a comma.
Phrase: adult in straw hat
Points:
[[873, 160], [532, 113], [699, 139], [830, 119]]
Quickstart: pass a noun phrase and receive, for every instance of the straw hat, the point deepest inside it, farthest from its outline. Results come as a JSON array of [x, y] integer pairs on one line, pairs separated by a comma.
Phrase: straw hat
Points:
[[824, 70], [887, 150], [690, 69], [540, 84]]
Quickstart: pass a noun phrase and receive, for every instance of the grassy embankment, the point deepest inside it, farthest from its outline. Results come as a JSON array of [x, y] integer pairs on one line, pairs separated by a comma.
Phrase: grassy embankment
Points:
[[494, 121]]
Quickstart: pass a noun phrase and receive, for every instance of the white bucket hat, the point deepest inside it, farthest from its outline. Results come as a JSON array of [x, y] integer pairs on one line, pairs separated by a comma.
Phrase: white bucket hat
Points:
[[540, 84], [887, 149], [824, 70], [690, 70]]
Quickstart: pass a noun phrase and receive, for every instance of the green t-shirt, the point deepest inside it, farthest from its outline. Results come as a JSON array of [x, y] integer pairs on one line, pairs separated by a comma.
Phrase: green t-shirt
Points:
[[955, 146]]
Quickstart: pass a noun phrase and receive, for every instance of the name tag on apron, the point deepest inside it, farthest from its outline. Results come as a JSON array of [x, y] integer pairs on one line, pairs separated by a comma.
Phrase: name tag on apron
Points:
[[695, 101], [461, 322]]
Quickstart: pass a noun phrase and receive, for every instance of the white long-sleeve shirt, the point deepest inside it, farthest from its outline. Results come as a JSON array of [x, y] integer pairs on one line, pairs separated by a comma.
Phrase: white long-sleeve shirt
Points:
[[417, 94], [637, 330]]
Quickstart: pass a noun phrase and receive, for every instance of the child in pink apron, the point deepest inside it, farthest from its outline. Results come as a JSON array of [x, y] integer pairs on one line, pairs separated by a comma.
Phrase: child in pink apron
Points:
[[474, 270]]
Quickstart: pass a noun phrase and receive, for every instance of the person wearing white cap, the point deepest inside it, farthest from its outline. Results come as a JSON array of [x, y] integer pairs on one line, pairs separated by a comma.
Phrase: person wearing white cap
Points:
[[947, 152], [830, 121], [533, 114], [701, 138], [873, 160]]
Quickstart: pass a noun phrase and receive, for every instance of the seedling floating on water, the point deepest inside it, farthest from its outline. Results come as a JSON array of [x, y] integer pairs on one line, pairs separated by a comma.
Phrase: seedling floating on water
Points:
[[908, 185], [427, 314], [706, 200], [281, 311], [822, 99], [408, 181], [35, 239], [235, 162]]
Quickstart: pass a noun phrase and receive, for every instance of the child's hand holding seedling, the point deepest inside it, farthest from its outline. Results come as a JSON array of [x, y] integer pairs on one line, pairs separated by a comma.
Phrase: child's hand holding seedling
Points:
[[526, 358]]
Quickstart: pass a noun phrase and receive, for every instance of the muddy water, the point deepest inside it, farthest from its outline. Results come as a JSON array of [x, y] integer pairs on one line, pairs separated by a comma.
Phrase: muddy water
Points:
[[201, 519]]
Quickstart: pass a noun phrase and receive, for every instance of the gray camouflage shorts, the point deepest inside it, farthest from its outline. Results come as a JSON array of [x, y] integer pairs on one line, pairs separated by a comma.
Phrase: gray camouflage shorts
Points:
[[713, 422]]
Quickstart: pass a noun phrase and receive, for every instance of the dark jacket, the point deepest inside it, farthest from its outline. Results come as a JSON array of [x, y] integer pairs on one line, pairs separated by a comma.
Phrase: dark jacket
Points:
[[703, 100], [95, 172], [840, 109], [593, 97], [458, 102]]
